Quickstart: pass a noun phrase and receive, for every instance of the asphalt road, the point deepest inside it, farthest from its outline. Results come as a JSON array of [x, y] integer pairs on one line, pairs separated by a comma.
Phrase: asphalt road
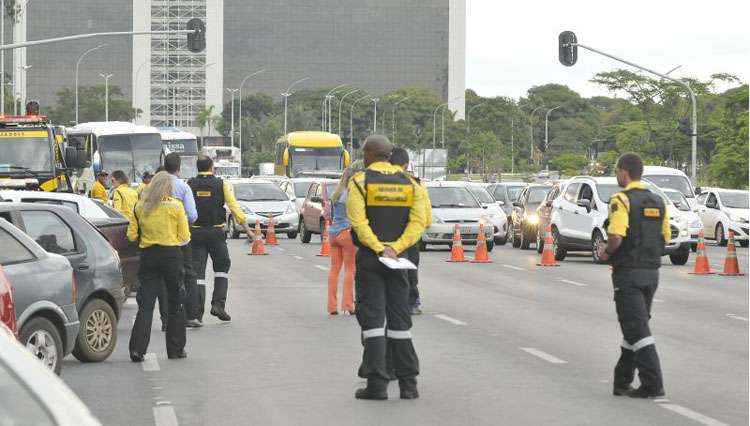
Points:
[[500, 343]]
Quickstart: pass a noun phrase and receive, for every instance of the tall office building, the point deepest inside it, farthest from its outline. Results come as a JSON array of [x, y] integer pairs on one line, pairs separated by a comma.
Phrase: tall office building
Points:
[[375, 45]]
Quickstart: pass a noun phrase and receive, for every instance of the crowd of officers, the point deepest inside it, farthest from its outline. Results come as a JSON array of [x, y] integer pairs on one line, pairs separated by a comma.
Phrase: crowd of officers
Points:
[[382, 211]]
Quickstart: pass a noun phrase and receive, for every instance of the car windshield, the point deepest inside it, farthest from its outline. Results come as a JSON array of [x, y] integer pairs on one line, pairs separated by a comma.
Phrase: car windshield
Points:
[[514, 192], [259, 192], [451, 197], [21, 153], [734, 199], [678, 200], [537, 194], [678, 183], [301, 188], [133, 154], [607, 190], [482, 195]]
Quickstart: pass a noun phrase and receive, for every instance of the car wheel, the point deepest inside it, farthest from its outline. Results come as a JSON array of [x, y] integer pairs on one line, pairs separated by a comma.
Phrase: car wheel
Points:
[[515, 240], [291, 235], [525, 240], [539, 242], [719, 235], [422, 246], [596, 241], [98, 335], [744, 243], [42, 338], [681, 256], [490, 246], [306, 235], [559, 251]]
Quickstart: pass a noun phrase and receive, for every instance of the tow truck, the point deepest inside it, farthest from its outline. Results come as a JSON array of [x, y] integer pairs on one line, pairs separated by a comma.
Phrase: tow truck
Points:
[[31, 157]]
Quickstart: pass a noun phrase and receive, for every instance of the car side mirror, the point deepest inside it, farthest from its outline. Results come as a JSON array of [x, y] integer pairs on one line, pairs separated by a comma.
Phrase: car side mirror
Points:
[[484, 206], [548, 204], [585, 204]]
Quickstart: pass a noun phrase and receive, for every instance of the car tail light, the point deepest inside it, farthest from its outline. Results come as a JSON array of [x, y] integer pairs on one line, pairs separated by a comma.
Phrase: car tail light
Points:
[[75, 287], [7, 308]]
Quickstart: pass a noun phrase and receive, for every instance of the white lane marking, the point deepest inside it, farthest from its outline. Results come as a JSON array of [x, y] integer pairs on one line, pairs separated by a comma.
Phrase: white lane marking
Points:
[[544, 355], [575, 283], [322, 268], [449, 319], [131, 301], [737, 317], [164, 415], [298, 257], [690, 414], [150, 362], [280, 249], [658, 300], [514, 267]]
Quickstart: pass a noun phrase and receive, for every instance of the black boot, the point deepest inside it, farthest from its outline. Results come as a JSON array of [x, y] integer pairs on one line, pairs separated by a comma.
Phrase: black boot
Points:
[[375, 390], [624, 373], [622, 390], [408, 388], [177, 355], [219, 312]]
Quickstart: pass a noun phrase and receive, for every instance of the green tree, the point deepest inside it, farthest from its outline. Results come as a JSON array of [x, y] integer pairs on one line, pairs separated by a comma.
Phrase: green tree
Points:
[[729, 164], [91, 105], [570, 164]]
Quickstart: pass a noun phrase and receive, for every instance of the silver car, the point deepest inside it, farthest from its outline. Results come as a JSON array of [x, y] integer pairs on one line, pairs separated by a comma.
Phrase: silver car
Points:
[[44, 292], [262, 200], [453, 204]]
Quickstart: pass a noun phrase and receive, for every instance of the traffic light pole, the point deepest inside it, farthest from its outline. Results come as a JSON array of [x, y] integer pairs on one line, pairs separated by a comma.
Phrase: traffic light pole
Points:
[[693, 100], [91, 35]]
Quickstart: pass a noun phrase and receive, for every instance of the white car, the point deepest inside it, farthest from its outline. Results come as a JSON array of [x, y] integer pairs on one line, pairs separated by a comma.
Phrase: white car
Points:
[[494, 211], [261, 200], [667, 177], [694, 222], [453, 203], [299, 187], [86, 207], [579, 219], [722, 210]]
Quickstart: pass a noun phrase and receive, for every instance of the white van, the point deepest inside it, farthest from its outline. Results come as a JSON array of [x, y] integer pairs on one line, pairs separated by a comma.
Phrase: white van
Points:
[[667, 177]]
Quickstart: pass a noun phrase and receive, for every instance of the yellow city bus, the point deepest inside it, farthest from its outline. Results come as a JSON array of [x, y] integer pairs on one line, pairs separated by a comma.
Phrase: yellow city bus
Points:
[[311, 152]]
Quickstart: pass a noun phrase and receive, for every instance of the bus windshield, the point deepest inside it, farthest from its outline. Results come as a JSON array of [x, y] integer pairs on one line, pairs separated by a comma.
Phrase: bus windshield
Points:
[[313, 159], [133, 154], [25, 151]]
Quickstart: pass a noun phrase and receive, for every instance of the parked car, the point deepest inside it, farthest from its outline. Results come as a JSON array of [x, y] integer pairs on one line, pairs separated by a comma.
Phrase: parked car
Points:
[[262, 200], [494, 213], [667, 177], [544, 212], [694, 222], [43, 296], [312, 214], [112, 224], [299, 187], [722, 210], [580, 219], [525, 220], [453, 203], [96, 266], [506, 193], [33, 395]]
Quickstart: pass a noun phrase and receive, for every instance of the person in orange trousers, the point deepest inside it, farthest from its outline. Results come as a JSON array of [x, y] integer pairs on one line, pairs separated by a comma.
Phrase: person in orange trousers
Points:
[[343, 249]]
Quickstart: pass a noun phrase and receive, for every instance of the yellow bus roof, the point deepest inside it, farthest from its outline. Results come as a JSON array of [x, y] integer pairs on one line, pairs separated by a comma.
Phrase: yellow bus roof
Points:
[[312, 139]]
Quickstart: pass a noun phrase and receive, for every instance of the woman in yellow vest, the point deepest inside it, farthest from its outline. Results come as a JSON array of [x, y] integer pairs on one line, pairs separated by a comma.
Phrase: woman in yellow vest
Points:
[[123, 196], [161, 227]]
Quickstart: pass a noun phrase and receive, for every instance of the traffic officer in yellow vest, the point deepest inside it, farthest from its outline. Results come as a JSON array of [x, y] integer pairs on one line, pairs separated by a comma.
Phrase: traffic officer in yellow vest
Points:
[[99, 189], [208, 238], [387, 215], [637, 232], [124, 197]]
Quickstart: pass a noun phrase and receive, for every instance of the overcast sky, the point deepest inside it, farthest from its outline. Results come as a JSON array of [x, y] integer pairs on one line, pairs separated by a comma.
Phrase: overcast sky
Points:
[[512, 46]]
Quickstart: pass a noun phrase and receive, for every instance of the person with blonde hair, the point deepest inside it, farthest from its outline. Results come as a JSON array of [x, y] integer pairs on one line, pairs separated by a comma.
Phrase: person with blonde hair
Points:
[[160, 226], [343, 249]]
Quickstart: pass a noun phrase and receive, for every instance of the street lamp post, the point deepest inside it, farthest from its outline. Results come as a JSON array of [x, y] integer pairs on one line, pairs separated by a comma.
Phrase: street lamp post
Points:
[[233, 91], [78, 63], [286, 95], [434, 121], [351, 121], [106, 78], [531, 140], [135, 84], [546, 133], [341, 104], [393, 115], [325, 122], [242, 84], [375, 115]]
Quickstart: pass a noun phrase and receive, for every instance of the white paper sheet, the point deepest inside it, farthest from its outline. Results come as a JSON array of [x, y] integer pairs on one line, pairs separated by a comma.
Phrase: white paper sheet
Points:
[[400, 263]]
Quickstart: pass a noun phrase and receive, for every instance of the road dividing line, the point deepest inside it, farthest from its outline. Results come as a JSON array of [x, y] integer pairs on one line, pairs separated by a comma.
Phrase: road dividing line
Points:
[[514, 267], [322, 268], [737, 317], [577, 284], [692, 415], [298, 257], [449, 319], [280, 249], [543, 355], [164, 415], [150, 362]]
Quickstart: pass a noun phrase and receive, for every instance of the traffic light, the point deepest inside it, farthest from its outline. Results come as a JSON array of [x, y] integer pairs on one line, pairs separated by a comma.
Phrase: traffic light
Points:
[[567, 48], [196, 40]]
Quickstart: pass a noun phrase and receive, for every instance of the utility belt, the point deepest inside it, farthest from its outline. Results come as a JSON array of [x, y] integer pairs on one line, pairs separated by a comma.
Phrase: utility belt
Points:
[[221, 225]]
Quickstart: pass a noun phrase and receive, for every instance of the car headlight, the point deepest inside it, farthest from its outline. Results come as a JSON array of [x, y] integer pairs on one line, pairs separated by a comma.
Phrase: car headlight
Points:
[[532, 219]]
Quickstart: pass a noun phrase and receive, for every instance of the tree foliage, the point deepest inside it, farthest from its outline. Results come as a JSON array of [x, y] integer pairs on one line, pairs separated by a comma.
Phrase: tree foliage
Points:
[[91, 105]]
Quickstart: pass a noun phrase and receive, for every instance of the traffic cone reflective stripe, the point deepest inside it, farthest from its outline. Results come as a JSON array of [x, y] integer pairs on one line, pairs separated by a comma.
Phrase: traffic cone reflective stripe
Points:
[[325, 246], [457, 251], [481, 255], [271, 233], [258, 248], [548, 254], [731, 266], [701, 262]]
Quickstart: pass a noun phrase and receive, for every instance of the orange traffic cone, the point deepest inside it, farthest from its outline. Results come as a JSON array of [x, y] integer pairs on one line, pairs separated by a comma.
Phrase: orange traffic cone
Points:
[[325, 246], [731, 266], [548, 253], [457, 251], [701, 262], [258, 248], [271, 233], [481, 255]]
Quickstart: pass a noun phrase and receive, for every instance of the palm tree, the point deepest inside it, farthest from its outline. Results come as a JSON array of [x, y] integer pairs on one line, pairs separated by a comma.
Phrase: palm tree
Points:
[[205, 117]]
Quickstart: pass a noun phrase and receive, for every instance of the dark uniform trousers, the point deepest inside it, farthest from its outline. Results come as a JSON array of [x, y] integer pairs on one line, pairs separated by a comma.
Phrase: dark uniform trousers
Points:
[[634, 292], [383, 314], [413, 274], [208, 241], [188, 280], [161, 267]]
